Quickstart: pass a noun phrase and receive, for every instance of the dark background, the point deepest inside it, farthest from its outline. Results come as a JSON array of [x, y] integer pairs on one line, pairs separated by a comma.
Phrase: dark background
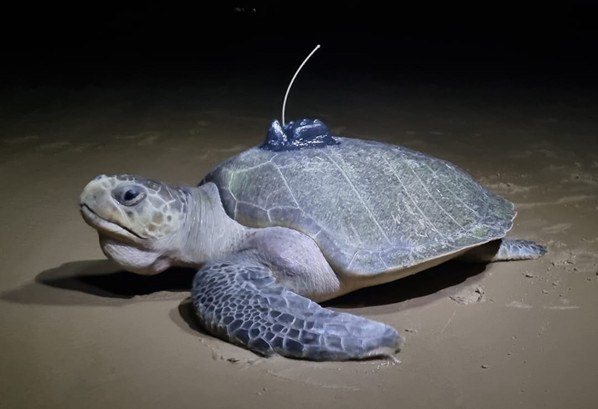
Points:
[[545, 42]]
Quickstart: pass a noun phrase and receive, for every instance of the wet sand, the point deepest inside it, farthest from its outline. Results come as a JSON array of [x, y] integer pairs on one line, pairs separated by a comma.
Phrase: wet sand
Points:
[[76, 331]]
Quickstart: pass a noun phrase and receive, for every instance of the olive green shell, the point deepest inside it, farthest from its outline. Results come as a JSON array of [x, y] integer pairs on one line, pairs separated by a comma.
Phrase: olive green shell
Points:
[[371, 207]]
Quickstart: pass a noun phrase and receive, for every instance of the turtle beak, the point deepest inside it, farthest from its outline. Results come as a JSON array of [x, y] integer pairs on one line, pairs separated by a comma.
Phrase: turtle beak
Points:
[[94, 190], [95, 197]]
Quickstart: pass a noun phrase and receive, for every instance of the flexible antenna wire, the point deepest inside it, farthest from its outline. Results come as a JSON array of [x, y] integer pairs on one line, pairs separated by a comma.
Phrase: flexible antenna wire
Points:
[[284, 102]]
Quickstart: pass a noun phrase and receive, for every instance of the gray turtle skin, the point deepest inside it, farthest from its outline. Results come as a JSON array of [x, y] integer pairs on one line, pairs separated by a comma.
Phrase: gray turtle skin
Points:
[[303, 218]]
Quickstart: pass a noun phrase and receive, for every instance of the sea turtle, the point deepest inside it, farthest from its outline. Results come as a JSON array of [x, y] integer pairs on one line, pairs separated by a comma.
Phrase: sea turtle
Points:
[[305, 217]]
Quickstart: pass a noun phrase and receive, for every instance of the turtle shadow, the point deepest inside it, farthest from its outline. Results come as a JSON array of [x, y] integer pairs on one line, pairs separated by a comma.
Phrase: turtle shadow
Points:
[[425, 286], [184, 316], [102, 282], [94, 282], [436, 282]]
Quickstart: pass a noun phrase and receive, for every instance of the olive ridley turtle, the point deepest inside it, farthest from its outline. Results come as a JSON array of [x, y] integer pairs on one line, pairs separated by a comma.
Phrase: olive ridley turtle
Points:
[[306, 217]]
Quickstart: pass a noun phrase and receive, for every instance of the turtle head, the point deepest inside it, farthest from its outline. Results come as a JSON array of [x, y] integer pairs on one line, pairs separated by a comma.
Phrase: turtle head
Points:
[[139, 221]]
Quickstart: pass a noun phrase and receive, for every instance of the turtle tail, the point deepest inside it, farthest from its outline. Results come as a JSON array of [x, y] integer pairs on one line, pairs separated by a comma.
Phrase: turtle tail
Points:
[[243, 304]]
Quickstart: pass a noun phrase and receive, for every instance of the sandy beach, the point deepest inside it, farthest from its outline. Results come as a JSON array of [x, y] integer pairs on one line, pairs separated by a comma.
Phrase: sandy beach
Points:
[[78, 332]]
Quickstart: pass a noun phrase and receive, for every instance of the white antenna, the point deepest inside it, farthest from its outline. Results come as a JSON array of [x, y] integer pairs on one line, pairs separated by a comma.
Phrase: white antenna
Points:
[[284, 102]]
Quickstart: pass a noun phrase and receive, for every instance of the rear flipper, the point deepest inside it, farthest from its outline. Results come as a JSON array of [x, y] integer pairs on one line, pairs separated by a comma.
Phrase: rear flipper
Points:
[[242, 303], [504, 250]]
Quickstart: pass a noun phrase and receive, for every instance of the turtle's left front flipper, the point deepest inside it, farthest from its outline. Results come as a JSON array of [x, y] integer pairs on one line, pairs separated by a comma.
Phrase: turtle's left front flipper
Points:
[[242, 303]]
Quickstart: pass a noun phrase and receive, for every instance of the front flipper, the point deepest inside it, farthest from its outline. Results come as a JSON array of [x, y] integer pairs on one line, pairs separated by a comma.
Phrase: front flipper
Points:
[[243, 304]]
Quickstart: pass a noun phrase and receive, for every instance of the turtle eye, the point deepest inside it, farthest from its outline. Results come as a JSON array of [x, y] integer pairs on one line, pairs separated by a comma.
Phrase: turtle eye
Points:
[[132, 196]]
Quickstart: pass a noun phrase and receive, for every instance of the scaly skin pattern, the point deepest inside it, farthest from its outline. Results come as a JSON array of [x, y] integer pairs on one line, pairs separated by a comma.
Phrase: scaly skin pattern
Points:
[[244, 305], [517, 249]]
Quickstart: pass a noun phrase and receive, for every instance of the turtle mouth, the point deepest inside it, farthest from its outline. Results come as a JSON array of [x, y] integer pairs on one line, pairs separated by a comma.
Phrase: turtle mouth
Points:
[[106, 226]]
